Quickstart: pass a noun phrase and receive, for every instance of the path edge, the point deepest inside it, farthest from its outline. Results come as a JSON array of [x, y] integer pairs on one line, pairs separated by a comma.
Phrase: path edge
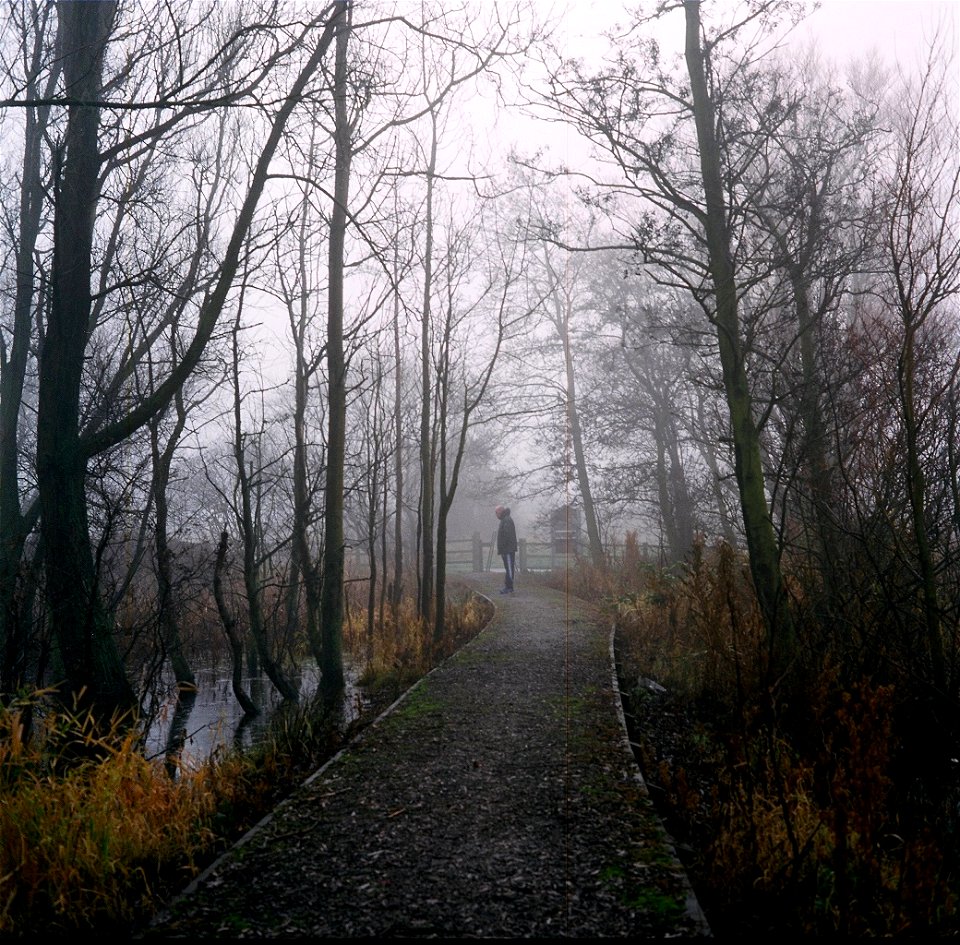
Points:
[[165, 914], [692, 908]]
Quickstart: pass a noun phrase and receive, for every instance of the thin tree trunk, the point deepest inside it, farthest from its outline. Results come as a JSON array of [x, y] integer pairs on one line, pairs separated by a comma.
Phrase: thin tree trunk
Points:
[[472, 397], [446, 496], [563, 306], [166, 607], [251, 542], [15, 526], [673, 496], [397, 595], [384, 559], [372, 551], [426, 397], [301, 561], [579, 453], [332, 594], [230, 629]]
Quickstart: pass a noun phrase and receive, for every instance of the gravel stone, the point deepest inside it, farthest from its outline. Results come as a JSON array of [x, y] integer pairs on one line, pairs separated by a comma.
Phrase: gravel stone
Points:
[[497, 798]]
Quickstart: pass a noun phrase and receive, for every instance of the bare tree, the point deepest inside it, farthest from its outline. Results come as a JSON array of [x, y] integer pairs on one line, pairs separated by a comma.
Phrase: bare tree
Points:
[[761, 538], [87, 646], [300, 287], [230, 628], [922, 242], [463, 376], [331, 593], [564, 280], [247, 476], [813, 200], [89, 652], [427, 462], [38, 81], [659, 399], [649, 124]]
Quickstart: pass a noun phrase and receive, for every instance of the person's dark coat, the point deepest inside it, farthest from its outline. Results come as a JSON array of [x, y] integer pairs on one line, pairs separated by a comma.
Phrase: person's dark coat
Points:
[[506, 535]]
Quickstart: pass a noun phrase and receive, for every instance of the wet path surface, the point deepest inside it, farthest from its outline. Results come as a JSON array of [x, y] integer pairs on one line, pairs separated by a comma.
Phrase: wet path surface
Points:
[[498, 798]]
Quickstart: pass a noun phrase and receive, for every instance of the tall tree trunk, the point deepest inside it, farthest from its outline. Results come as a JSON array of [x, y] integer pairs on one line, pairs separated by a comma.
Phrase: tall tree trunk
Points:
[[332, 602], [88, 650], [424, 601], [579, 453], [303, 569], [758, 525], [562, 313], [15, 525], [372, 549], [397, 594], [384, 559], [446, 495], [84, 634]]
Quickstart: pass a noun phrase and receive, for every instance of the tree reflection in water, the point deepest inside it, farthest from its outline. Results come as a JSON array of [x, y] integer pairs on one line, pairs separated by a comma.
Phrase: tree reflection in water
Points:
[[187, 730]]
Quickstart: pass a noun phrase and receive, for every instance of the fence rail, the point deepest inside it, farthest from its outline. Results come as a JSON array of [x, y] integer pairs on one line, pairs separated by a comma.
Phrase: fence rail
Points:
[[466, 555]]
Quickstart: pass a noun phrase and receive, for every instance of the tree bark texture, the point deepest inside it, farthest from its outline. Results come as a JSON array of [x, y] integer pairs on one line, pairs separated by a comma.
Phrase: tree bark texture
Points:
[[332, 592], [758, 525], [88, 650]]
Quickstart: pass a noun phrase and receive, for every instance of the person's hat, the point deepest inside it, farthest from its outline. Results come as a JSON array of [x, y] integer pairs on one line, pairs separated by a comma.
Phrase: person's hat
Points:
[[499, 510]]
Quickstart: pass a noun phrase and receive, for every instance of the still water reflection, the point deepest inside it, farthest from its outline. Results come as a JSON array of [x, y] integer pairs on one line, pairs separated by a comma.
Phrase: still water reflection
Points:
[[191, 728]]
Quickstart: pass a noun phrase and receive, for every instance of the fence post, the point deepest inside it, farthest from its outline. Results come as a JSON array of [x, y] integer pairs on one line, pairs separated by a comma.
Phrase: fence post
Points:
[[477, 552], [522, 547]]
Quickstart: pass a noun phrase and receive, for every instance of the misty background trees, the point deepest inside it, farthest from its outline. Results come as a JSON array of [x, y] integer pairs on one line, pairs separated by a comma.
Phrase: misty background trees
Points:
[[286, 308]]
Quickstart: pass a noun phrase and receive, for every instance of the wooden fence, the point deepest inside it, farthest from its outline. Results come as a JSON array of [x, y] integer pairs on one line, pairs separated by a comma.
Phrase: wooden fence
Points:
[[473, 554], [466, 555]]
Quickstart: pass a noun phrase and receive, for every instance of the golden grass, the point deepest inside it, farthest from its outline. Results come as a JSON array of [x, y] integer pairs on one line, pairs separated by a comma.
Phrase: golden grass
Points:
[[100, 843], [85, 843]]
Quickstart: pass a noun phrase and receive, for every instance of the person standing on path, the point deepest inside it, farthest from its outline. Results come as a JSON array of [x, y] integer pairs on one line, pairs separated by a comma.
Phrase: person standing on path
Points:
[[506, 546]]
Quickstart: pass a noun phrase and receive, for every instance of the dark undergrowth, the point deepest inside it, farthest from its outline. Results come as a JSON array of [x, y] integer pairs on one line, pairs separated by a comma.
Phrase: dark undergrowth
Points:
[[824, 804]]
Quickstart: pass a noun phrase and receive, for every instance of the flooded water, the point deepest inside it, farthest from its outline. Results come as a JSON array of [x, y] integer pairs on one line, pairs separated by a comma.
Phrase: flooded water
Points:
[[191, 729]]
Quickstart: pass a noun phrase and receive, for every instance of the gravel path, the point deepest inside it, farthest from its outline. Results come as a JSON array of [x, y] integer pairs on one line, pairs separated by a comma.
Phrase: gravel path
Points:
[[498, 798]]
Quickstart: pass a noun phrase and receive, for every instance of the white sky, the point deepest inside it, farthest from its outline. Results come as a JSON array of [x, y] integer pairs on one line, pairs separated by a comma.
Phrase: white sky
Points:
[[845, 29], [898, 29]]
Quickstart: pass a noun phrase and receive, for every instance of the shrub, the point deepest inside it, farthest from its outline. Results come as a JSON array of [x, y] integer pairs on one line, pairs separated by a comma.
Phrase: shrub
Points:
[[803, 803]]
